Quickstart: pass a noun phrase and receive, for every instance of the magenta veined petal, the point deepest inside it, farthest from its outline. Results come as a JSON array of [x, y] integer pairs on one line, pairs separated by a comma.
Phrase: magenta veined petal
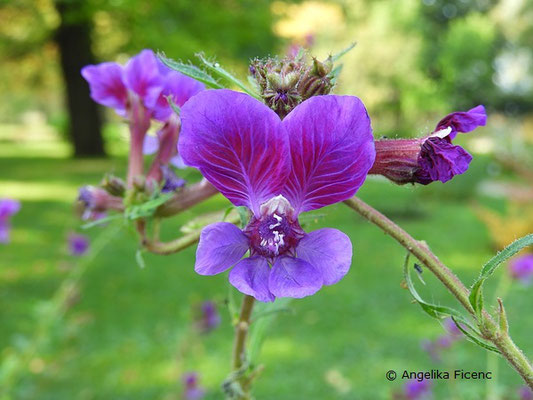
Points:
[[332, 150], [329, 251], [293, 277], [141, 75], [250, 276], [107, 85], [221, 245], [237, 143]]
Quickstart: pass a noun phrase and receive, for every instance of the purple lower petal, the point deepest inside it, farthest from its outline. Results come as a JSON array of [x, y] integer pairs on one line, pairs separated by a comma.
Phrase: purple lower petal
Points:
[[440, 160], [329, 251], [250, 276], [293, 277], [221, 245]]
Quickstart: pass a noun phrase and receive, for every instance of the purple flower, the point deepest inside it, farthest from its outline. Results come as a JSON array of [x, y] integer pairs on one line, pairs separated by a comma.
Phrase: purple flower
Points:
[[521, 268], [525, 393], [208, 318], [171, 181], [318, 155], [8, 207], [417, 390], [432, 158], [143, 79], [78, 244], [113, 85], [191, 388]]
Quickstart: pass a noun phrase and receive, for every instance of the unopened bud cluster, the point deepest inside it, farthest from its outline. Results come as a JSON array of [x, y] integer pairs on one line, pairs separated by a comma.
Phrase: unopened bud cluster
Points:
[[285, 83]]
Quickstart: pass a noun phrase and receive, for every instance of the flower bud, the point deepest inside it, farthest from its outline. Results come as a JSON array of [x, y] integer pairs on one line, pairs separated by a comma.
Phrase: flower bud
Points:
[[113, 185], [95, 199], [317, 80]]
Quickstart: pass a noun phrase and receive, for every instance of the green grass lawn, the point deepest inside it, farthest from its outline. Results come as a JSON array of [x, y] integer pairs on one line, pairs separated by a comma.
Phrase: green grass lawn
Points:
[[126, 331]]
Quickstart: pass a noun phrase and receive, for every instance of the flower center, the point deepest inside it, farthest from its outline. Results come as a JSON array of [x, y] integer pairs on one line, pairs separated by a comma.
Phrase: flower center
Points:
[[276, 231]]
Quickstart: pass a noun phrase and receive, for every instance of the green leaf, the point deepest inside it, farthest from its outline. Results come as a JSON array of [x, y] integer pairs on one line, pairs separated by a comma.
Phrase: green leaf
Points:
[[147, 209], [243, 214], [506, 253], [336, 57], [190, 70], [433, 310], [215, 68], [476, 297], [101, 221], [474, 339], [139, 258], [173, 105]]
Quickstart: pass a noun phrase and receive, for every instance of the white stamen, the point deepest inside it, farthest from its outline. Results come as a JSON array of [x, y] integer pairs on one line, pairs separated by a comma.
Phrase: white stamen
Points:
[[442, 133], [278, 217]]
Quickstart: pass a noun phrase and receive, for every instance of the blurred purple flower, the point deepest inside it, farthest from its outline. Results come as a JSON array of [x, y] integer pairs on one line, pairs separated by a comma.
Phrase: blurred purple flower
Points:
[[525, 393], [171, 181], [191, 389], [452, 328], [318, 155], [521, 268], [143, 78], [78, 244], [208, 318], [417, 390], [8, 207]]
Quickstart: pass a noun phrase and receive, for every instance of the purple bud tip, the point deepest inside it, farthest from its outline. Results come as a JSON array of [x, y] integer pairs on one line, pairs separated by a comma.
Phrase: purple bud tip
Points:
[[78, 244], [416, 390], [463, 121], [521, 268], [171, 180], [192, 391], [208, 319], [85, 196], [440, 160], [525, 393]]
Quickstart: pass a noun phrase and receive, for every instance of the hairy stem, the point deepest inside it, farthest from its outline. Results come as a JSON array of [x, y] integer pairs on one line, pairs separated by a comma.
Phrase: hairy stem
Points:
[[186, 198], [241, 333], [420, 250]]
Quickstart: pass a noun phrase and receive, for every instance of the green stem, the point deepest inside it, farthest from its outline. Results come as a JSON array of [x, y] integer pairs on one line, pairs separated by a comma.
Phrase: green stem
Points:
[[420, 250]]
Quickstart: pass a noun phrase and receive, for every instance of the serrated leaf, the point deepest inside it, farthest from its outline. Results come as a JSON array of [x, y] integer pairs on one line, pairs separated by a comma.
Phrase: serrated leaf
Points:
[[216, 69], [147, 209], [505, 254], [341, 53], [191, 71]]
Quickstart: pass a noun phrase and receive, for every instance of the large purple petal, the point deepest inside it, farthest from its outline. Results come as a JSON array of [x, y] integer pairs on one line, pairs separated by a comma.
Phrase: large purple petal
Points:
[[141, 75], [180, 88], [221, 245], [329, 251], [250, 276], [332, 150], [294, 277], [107, 85], [237, 143], [463, 121]]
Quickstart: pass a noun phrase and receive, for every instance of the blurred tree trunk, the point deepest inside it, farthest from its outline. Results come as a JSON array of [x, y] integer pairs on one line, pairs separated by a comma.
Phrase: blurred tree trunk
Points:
[[73, 38]]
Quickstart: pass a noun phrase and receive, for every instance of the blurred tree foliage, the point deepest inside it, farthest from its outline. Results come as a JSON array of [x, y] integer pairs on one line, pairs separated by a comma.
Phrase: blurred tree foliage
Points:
[[415, 59]]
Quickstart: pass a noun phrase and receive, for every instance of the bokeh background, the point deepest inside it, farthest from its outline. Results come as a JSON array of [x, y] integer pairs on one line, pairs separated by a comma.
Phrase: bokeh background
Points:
[[100, 327]]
